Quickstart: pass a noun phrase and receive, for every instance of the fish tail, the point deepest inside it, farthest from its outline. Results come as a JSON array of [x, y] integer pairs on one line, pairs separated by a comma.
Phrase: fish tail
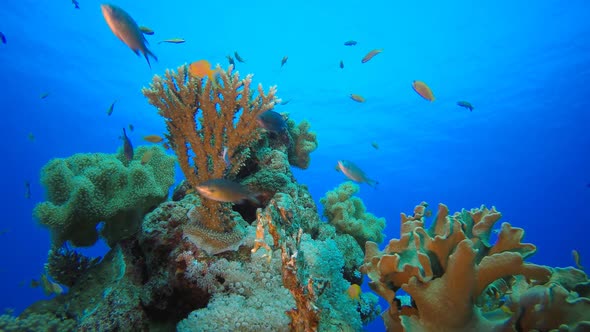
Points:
[[147, 54], [254, 200]]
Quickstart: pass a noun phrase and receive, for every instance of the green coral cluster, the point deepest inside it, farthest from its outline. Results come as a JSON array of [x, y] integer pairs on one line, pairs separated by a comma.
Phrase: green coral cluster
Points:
[[304, 142], [86, 189], [348, 214], [37, 322]]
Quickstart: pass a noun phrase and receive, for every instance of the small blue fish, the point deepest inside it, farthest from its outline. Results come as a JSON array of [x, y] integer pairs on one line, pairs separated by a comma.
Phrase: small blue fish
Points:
[[231, 60], [127, 147], [27, 190], [76, 4], [111, 108], [2, 38], [239, 58], [465, 104]]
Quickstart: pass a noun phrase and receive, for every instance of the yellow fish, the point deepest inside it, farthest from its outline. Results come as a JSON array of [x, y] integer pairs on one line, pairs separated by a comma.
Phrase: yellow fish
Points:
[[423, 90], [371, 54], [145, 30], [147, 156], [354, 291], [357, 98], [127, 30], [173, 41], [153, 138]]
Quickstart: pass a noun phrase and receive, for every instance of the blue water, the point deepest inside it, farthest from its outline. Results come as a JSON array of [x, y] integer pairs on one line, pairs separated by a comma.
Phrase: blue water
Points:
[[525, 66]]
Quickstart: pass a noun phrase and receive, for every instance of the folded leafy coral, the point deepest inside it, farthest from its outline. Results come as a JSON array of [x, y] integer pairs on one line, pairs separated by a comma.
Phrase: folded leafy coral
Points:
[[450, 268], [86, 189]]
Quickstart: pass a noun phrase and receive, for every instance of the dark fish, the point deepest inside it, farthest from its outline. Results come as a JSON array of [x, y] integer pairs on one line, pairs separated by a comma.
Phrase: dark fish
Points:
[[284, 60], [111, 108], [223, 190], [127, 147], [465, 104], [127, 30], [2, 38], [239, 58], [27, 190], [231, 60], [44, 95], [76, 4], [131, 128], [350, 43], [341, 64], [272, 121]]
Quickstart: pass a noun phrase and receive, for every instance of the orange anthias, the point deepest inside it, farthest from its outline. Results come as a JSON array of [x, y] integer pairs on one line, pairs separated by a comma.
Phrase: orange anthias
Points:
[[423, 90], [354, 292], [201, 69]]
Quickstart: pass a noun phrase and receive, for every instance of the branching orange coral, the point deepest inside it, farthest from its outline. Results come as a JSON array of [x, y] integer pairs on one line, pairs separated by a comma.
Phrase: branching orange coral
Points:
[[204, 117]]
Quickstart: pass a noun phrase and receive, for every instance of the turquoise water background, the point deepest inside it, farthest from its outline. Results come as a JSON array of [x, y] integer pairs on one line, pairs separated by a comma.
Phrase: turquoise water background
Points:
[[524, 65]]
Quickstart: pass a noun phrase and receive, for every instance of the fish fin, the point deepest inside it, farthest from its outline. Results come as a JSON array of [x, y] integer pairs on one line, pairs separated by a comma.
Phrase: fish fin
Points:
[[254, 200], [147, 54]]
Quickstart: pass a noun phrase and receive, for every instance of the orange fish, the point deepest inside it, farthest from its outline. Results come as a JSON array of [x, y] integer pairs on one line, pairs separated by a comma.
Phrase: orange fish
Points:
[[423, 90], [371, 54], [153, 138], [357, 98], [201, 69], [354, 291]]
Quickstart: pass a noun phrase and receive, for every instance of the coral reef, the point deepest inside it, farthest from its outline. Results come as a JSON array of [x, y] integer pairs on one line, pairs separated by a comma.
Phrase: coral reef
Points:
[[86, 189], [193, 264], [348, 214], [304, 142], [204, 117], [453, 267], [67, 266]]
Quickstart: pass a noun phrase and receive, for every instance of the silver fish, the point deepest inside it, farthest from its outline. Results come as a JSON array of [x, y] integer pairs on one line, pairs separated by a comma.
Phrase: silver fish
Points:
[[354, 173]]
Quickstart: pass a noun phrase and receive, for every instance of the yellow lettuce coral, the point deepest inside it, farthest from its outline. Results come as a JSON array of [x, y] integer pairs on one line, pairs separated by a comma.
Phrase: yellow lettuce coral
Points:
[[446, 267]]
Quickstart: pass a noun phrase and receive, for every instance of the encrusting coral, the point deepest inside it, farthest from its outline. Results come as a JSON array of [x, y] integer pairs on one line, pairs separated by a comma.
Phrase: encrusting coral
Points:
[[86, 189], [204, 117], [348, 214], [450, 268]]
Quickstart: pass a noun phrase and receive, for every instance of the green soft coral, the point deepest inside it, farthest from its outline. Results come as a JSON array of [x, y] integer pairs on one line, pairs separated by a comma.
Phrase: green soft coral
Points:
[[303, 144], [86, 189], [348, 214]]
